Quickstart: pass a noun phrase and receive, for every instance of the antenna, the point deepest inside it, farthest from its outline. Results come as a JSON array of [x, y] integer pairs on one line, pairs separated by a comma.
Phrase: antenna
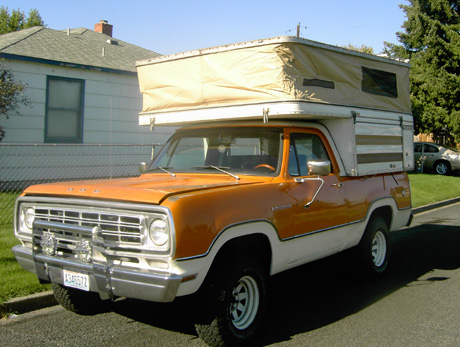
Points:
[[298, 27]]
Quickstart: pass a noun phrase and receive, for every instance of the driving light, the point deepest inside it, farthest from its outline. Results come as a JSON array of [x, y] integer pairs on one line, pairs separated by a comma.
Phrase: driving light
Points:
[[158, 232], [83, 251], [48, 244]]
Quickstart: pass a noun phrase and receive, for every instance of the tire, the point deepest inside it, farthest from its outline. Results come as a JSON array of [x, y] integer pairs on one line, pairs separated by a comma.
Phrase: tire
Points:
[[78, 301], [442, 167], [237, 305], [374, 248]]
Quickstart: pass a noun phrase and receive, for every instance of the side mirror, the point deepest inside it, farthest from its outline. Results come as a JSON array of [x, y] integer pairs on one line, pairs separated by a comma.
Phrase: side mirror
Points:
[[319, 167], [142, 167]]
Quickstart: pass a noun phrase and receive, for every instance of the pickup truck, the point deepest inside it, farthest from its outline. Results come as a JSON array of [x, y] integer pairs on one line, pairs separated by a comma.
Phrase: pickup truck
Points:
[[223, 206]]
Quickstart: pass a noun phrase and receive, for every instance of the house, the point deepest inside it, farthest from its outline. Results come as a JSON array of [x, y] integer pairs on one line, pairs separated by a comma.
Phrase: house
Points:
[[85, 102], [82, 84]]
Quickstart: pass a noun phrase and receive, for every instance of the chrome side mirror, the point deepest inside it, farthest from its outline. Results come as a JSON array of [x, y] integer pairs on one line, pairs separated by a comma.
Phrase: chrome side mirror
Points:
[[319, 167], [142, 167]]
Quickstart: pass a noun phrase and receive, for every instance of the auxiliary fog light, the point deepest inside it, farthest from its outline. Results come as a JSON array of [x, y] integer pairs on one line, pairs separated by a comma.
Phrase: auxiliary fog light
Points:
[[29, 217], [48, 244], [158, 232], [83, 251]]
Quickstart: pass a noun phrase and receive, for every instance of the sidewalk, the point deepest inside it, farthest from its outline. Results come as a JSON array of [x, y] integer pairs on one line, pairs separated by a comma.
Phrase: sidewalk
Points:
[[46, 299]]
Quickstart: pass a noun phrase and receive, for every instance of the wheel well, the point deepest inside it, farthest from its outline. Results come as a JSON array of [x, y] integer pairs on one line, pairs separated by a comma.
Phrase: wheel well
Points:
[[256, 245], [441, 161], [385, 212]]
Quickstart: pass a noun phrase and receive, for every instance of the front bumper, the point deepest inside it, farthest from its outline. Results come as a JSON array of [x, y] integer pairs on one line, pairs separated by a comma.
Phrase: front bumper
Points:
[[108, 281]]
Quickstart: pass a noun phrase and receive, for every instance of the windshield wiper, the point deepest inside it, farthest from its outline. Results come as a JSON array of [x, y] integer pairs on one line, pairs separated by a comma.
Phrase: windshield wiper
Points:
[[221, 169], [164, 169]]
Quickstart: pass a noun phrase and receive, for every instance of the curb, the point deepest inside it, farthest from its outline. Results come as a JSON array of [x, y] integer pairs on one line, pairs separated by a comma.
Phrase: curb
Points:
[[435, 205], [46, 299], [28, 303]]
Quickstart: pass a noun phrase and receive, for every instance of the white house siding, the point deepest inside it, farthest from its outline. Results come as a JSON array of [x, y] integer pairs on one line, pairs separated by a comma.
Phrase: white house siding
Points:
[[111, 106]]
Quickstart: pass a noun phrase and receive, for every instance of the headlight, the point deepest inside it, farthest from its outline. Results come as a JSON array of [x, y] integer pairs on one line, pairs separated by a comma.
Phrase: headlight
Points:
[[29, 217], [158, 232], [26, 219]]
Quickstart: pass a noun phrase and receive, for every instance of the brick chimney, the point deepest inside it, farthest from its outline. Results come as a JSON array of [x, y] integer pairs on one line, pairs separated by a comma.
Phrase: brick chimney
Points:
[[103, 27]]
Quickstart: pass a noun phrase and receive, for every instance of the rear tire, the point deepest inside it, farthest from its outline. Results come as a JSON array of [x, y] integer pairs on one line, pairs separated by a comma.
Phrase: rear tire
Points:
[[78, 301], [374, 248], [238, 300]]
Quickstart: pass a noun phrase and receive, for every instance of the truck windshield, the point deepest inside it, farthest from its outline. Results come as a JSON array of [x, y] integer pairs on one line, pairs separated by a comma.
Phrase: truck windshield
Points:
[[237, 151]]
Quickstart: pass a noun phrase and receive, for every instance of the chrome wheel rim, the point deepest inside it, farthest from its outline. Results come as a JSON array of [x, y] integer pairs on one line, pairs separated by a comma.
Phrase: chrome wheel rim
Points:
[[379, 248], [441, 168], [243, 309]]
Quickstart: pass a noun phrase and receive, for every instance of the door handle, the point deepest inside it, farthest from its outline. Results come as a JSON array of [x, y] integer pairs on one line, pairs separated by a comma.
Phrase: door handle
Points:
[[337, 185]]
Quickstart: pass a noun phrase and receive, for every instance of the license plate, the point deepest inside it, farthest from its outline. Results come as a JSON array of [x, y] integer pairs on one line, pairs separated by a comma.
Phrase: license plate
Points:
[[76, 280]]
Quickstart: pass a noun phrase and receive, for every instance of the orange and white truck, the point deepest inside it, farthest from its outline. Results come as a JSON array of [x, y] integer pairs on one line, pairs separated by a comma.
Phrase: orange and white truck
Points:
[[287, 151]]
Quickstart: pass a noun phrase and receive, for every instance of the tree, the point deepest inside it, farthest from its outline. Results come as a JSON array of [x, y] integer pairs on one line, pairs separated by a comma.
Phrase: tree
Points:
[[17, 20], [12, 92], [432, 43], [363, 48], [11, 95]]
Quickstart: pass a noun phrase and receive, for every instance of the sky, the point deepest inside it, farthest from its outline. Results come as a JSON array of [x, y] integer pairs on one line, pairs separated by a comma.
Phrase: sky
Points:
[[174, 26]]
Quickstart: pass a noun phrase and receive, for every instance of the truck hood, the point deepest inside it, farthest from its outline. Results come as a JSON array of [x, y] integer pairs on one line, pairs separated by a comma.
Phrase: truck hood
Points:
[[153, 189]]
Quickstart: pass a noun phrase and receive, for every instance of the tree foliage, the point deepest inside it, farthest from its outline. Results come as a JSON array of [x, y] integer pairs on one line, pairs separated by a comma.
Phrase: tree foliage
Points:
[[431, 41], [363, 48], [11, 95], [12, 92], [17, 20]]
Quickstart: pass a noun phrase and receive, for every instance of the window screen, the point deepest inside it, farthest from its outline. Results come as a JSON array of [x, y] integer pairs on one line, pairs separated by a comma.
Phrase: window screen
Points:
[[64, 110], [379, 82], [318, 83]]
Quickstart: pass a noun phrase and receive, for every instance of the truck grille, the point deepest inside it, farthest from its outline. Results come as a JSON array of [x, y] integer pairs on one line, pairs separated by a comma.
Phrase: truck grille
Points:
[[119, 229]]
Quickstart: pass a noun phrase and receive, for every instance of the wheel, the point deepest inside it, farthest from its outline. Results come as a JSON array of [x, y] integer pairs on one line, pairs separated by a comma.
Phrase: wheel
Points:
[[374, 248], [239, 295], [78, 301], [442, 167]]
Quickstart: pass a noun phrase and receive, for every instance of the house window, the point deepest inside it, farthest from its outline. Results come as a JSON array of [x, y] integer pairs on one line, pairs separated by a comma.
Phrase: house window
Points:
[[64, 110]]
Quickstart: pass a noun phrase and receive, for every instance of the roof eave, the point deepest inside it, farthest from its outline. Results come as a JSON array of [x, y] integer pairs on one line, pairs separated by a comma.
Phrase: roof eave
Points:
[[65, 64]]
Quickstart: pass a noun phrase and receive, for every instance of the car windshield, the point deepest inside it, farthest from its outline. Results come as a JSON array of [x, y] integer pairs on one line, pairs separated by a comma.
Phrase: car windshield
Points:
[[235, 151]]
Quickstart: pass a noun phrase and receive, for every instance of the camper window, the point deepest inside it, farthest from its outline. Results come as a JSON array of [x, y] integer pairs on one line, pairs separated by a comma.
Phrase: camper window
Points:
[[379, 82]]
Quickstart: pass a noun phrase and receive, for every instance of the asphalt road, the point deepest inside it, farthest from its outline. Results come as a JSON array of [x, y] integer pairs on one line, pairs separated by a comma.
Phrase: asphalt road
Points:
[[325, 303]]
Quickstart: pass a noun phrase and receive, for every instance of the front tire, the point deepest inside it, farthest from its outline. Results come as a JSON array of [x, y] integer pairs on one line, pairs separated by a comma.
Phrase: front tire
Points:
[[374, 248], [78, 301], [239, 295]]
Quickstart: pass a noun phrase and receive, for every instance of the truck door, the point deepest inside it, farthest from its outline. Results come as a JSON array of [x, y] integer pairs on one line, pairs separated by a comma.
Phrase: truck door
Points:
[[329, 210]]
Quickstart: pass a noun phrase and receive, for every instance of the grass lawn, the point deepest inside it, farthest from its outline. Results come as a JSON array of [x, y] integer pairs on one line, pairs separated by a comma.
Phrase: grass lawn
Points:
[[15, 282], [427, 188]]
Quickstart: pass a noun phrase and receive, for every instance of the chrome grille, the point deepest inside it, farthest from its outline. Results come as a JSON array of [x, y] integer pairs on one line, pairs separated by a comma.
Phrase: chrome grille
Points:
[[117, 228]]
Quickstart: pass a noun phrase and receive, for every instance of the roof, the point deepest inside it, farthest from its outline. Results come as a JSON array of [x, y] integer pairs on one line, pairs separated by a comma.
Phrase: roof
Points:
[[78, 48]]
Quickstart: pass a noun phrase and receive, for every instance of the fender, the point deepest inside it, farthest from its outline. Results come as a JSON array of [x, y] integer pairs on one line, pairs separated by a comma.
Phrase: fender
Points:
[[198, 266]]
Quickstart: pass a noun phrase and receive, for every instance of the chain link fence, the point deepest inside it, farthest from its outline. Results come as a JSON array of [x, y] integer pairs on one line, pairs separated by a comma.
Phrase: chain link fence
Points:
[[22, 165]]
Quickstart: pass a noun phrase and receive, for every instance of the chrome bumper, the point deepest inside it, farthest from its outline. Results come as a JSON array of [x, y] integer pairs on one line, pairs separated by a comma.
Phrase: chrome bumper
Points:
[[108, 281]]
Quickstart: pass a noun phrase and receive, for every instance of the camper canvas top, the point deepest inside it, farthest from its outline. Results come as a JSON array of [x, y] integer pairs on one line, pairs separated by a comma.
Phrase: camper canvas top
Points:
[[276, 78]]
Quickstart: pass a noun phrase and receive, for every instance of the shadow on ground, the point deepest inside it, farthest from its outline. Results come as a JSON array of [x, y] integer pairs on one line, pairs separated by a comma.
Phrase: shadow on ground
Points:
[[326, 291]]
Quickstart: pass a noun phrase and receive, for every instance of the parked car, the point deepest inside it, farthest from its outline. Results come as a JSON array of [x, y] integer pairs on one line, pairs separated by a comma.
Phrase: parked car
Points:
[[440, 159]]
